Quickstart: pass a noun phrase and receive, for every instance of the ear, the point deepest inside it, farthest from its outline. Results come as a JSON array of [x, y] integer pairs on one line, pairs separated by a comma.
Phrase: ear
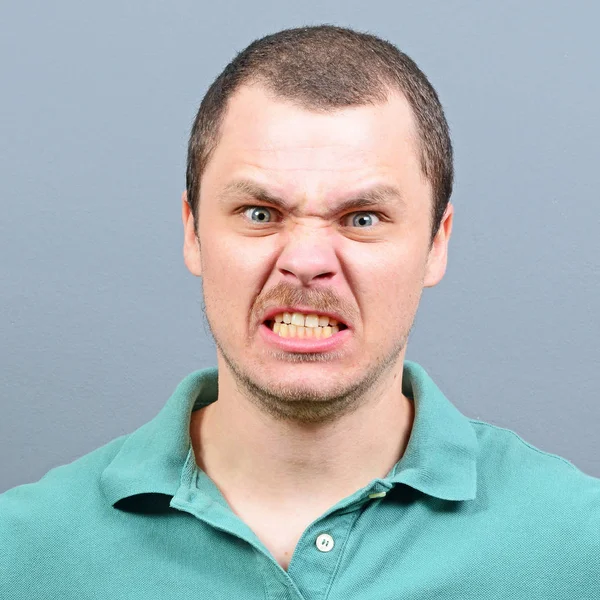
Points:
[[438, 255], [191, 245]]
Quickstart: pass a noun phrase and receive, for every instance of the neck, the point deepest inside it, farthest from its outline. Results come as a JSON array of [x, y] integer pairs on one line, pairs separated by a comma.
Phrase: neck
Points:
[[243, 449]]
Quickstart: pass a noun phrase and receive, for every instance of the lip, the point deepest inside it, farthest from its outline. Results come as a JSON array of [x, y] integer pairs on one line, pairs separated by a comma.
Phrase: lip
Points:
[[302, 344], [270, 314]]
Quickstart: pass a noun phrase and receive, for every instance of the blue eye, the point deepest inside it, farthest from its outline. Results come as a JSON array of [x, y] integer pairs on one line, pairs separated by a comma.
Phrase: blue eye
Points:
[[363, 219], [259, 213], [263, 214]]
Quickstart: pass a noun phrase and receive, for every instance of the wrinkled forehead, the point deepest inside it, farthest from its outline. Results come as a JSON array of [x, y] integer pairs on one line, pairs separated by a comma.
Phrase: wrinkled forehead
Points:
[[295, 149]]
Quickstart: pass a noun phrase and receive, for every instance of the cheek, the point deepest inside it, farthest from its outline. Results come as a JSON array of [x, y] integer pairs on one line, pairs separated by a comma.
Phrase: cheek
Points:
[[231, 273], [219, 270], [390, 287]]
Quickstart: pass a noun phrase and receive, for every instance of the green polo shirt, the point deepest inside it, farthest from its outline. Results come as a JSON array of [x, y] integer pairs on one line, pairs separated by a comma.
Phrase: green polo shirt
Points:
[[469, 511]]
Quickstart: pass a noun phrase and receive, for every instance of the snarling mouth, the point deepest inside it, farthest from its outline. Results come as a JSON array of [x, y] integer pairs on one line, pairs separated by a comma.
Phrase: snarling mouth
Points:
[[306, 326]]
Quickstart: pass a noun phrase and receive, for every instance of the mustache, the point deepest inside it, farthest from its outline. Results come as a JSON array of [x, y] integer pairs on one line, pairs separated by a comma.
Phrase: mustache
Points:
[[321, 299]]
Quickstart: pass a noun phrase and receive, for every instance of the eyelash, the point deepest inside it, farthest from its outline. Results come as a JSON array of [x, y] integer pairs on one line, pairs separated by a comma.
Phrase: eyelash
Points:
[[243, 209]]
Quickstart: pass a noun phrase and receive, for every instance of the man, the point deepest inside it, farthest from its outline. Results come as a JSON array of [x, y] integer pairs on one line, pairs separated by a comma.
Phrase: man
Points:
[[314, 461]]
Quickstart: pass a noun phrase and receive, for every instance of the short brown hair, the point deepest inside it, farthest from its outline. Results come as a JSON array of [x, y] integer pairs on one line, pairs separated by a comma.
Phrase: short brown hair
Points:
[[323, 68]]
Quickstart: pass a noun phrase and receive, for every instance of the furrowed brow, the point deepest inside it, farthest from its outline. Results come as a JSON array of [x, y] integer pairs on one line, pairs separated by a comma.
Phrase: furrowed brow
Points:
[[381, 195], [248, 188]]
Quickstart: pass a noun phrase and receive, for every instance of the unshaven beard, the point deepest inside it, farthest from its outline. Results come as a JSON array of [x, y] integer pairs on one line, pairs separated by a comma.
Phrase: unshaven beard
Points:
[[304, 406], [307, 407]]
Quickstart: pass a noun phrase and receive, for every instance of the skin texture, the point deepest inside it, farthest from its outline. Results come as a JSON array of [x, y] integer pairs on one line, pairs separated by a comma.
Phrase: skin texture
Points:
[[291, 429]]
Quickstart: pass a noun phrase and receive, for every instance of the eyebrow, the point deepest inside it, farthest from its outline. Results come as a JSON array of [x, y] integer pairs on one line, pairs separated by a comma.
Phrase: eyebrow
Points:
[[378, 195]]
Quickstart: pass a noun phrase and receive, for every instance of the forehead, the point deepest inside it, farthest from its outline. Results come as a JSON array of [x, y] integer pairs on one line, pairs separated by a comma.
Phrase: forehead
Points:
[[297, 150]]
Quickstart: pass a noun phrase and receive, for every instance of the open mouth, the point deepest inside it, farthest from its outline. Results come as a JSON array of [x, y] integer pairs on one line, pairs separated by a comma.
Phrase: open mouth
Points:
[[298, 325]]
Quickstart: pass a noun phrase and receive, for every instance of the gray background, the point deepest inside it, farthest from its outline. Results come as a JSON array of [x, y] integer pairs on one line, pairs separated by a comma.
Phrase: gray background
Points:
[[99, 319]]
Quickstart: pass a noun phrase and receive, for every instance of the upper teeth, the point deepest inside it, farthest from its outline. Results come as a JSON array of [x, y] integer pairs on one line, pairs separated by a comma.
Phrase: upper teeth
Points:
[[301, 320]]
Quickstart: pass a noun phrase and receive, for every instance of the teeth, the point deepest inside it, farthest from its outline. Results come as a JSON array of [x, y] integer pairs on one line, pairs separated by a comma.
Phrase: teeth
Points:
[[285, 330], [306, 326], [312, 321], [298, 319]]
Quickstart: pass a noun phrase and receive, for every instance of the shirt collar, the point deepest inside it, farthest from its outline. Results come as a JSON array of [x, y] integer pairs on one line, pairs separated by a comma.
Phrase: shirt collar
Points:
[[440, 458], [152, 457]]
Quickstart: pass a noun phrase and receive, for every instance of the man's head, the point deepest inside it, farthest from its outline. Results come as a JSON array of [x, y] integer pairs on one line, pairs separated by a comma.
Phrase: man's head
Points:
[[297, 125]]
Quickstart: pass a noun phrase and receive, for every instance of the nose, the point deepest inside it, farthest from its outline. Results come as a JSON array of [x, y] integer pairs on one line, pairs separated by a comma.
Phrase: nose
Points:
[[308, 255]]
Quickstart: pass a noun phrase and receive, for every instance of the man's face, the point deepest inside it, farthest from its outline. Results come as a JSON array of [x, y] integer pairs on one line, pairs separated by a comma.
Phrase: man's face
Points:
[[368, 264]]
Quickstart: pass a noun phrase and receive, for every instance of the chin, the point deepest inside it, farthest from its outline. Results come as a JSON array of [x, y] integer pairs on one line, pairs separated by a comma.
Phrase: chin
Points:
[[310, 378]]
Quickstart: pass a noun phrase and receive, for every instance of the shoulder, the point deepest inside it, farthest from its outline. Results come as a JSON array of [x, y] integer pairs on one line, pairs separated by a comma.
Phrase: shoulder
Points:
[[504, 446], [512, 459], [545, 488], [39, 519], [68, 482], [545, 509]]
